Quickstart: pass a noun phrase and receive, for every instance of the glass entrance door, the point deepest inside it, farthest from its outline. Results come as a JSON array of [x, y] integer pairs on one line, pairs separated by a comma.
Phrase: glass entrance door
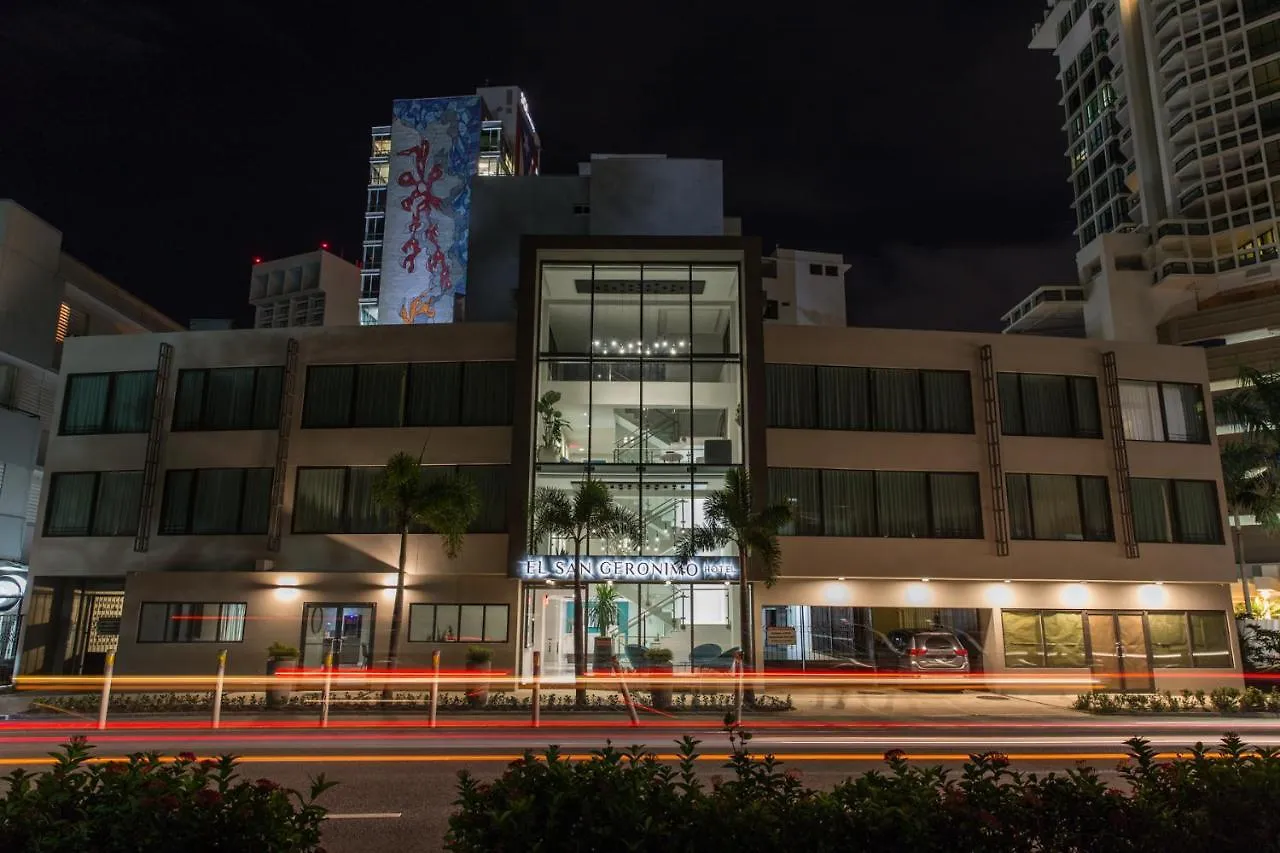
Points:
[[346, 628], [1118, 652]]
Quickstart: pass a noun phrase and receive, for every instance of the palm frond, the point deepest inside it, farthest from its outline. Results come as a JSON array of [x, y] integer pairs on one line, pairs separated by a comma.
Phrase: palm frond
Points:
[[397, 489], [552, 515], [702, 539], [449, 505]]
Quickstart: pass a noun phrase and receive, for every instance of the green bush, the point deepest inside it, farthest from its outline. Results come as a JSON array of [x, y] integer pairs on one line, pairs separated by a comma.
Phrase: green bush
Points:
[[282, 650], [629, 800], [479, 654], [1224, 700], [144, 804]]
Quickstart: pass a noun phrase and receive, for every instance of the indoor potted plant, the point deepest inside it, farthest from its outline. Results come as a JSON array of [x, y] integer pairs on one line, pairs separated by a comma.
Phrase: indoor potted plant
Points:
[[279, 656], [554, 427], [479, 659], [657, 662], [603, 610]]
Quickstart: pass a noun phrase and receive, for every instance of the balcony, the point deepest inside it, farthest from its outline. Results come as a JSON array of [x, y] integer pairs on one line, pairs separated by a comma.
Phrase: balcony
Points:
[[1048, 311]]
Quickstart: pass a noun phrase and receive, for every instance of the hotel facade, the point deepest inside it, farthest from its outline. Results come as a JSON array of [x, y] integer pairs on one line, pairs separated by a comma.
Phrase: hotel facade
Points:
[[1056, 502]]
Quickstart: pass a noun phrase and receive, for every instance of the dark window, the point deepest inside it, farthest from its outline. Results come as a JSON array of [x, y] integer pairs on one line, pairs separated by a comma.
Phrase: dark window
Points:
[[340, 500], [906, 504], [1264, 40], [228, 398], [1163, 411], [108, 402], [93, 503], [830, 270], [458, 623], [815, 269], [860, 398], [768, 268], [1044, 404], [1059, 506], [1176, 511], [771, 309], [209, 501], [1255, 9], [474, 393], [191, 622]]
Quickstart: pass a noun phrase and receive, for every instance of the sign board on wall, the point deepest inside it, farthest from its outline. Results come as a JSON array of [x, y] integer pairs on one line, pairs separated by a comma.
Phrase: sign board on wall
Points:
[[633, 569], [777, 636], [435, 148]]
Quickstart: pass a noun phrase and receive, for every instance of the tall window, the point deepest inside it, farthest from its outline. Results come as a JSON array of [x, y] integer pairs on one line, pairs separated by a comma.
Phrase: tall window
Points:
[[867, 398], [1163, 411], [93, 503], [108, 402], [228, 398], [1176, 511], [1049, 405], [340, 500], [473, 393], [191, 622], [1059, 506], [906, 504], [216, 500], [1044, 638]]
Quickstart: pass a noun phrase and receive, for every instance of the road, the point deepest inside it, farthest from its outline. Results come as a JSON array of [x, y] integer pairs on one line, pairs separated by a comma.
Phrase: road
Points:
[[398, 781]]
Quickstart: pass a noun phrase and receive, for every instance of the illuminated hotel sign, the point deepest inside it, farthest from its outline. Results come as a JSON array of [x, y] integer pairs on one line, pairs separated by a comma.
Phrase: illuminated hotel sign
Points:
[[630, 569]]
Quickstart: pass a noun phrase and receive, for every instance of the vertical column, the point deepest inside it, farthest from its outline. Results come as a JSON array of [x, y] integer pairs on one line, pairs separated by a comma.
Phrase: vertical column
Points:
[[1120, 453], [995, 463], [285, 427], [155, 436]]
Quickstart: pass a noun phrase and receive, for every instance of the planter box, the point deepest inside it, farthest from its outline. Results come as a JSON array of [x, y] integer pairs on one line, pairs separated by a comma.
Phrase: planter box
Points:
[[279, 696], [478, 694]]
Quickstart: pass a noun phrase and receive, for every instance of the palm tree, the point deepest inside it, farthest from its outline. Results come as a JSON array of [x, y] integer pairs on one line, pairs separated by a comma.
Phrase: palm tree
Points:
[[589, 512], [731, 519], [445, 505]]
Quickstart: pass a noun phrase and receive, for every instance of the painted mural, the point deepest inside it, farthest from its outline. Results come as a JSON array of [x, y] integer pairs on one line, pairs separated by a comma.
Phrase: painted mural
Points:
[[435, 146]]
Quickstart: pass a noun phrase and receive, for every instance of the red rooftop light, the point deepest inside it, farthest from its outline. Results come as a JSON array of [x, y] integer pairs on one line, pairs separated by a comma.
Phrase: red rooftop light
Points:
[[257, 260], [324, 245]]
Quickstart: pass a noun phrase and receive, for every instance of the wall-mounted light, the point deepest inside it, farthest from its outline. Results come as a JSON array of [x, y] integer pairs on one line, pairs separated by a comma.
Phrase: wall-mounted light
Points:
[[286, 593], [918, 593], [1075, 595], [1151, 595], [1000, 595]]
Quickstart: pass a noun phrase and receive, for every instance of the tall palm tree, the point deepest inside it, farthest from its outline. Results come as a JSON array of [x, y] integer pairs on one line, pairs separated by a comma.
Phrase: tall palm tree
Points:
[[732, 519], [589, 512], [445, 505]]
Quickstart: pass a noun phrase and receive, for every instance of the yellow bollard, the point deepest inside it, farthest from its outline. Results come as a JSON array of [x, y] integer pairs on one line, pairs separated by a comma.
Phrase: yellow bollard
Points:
[[324, 696], [435, 685], [537, 689], [106, 690], [217, 688]]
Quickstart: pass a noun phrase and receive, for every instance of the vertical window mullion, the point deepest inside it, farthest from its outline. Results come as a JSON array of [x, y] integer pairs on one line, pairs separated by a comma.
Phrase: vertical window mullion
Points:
[[1073, 414], [1171, 507], [924, 410], [1164, 414], [875, 502], [344, 513], [1031, 506], [355, 395], [192, 488], [1022, 412], [106, 411], [872, 408], [1084, 523]]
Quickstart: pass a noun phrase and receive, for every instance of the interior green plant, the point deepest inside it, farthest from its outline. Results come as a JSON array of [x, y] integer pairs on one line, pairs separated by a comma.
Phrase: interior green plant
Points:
[[657, 654], [554, 424], [604, 609]]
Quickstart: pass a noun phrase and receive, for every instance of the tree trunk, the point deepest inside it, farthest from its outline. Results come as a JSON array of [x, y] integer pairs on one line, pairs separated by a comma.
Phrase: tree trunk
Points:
[[1244, 583], [579, 628], [744, 628], [397, 608]]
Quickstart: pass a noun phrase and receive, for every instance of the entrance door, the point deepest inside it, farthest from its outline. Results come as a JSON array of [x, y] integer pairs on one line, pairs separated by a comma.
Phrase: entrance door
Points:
[[346, 628], [1118, 652], [98, 631]]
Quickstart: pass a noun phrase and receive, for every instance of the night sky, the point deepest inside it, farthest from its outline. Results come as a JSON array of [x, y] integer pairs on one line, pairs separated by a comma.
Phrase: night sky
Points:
[[922, 139]]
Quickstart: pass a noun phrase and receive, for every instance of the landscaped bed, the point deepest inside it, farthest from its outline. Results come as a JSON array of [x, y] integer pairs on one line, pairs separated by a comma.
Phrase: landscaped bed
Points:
[[1223, 700]]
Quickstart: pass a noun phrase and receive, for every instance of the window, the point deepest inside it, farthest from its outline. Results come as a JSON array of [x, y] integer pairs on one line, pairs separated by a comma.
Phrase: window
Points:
[[1176, 511], [93, 503], [830, 270], [1049, 638], [771, 309], [458, 623], [1264, 40], [860, 398], [108, 402], [815, 269], [340, 500], [189, 622], [1188, 639], [474, 393], [1044, 404], [210, 501], [1209, 643], [1059, 506], [905, 504], [1163, 411], [228, 398], [1255, 9]]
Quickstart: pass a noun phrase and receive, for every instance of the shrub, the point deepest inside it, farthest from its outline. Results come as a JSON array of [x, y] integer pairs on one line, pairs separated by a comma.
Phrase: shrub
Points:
[[479, 654], [626, 799], [144, 804], [282, 650], [657, 655]]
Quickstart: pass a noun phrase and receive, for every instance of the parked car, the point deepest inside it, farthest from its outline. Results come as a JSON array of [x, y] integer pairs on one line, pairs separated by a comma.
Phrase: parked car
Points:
[[922, 650]]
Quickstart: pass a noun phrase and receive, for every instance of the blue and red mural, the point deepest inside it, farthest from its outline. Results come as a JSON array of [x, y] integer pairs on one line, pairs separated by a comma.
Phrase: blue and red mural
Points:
[[435, 146]]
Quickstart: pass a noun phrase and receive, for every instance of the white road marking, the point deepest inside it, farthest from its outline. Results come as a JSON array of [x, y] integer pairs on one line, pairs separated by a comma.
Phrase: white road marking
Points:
[[364, 816]]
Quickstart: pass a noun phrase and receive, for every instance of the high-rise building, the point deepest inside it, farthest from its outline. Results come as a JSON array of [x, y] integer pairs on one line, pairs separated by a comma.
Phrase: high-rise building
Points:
[[498, 139]]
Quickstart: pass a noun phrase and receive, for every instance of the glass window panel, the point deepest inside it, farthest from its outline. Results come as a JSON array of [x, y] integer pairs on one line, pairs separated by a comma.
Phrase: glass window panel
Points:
[[447, 623], [70, 504], [1209, 641], [486, 393], [85, 409], [896, 400], [379, 395], [189, 402], [1046, 406], [216, 508], [422, 623], [495, 623], [791, 396], [1140, 407], [176, 510], [948, 401], [715, 437], [902, 503], [1094, 494], [1084, 399], [1150, 509], [491, 483], [842, 398], [615, 310], [1018, 494], [115, 511], [231, 623], [666, 311], [255, 512], [317, 505], [434, 394], [1170, 645], [1011, 421], [153, 620], [229, 398], [266, 398], [957, 509], [715, 310], [1197, 511], [848, 503], [565, 310], [363, 516], [798, 488], [131, 397], [1184, 412], [617, 429], [471, 623], [1023, 640], [1055, 507], [1064, 639], [327, 402]]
